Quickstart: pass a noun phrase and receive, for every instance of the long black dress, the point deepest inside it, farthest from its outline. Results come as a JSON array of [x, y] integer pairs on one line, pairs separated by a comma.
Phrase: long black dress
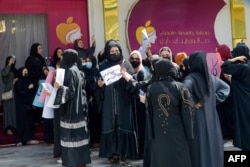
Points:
[[118, 131], [240, 84], [73, 119], [169, 124], [93, 113], [23, 109], [207, 91], [207, 145]]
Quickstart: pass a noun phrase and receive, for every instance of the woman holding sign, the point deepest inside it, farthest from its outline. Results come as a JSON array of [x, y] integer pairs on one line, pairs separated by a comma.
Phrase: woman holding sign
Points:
[[118, 139], [71, 96]]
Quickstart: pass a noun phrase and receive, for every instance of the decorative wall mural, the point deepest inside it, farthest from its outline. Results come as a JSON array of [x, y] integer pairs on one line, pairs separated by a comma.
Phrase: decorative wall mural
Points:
[[68, 32]]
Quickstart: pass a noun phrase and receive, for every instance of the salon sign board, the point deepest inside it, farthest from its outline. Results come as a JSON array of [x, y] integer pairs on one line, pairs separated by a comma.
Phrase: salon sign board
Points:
[[183, 25]]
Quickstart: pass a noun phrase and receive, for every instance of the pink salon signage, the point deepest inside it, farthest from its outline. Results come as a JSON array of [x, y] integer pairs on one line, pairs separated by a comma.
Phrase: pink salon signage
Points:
[[67, 20], [182, 25]]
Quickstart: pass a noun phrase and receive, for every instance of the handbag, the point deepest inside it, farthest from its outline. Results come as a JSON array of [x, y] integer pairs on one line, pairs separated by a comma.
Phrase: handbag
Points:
[[8, 95]]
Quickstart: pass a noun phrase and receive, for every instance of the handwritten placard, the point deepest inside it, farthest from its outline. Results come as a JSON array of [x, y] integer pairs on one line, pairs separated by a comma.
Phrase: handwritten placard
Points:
[[111, 75]]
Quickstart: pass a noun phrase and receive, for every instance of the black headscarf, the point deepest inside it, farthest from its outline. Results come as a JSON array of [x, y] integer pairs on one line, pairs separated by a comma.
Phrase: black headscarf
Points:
[[70, 58], [33, 49], [93, 68], [13, 66], [241, 50], [56, 59], [199, 74], [20, 73], [163, 68], [184, 67], [76, 47], [112, 43]]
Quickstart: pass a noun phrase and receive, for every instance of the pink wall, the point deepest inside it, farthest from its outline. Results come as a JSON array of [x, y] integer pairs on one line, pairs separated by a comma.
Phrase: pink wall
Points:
[[183, 25], [57, 12]]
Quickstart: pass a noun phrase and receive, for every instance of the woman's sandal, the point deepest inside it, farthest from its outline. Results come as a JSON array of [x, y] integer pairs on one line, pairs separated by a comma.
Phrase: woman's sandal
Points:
[[113, 160]]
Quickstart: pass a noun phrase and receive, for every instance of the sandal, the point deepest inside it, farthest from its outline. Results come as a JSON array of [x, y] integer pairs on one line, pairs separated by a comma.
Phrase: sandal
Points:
[[113, 160]]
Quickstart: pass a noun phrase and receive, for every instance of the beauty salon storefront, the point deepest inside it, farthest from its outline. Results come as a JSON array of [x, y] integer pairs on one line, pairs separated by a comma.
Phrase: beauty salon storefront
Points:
[[183, 25]]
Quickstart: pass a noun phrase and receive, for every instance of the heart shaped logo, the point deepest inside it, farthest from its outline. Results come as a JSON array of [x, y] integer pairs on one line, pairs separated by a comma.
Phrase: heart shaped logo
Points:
[[68, 32]]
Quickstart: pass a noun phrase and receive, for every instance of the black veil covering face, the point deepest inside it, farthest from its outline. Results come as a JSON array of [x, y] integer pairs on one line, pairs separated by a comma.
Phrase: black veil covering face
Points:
[[199, 72], [116, 57]]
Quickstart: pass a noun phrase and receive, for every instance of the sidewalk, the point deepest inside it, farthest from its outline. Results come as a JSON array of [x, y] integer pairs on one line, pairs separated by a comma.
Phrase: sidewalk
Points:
[[41, 156]]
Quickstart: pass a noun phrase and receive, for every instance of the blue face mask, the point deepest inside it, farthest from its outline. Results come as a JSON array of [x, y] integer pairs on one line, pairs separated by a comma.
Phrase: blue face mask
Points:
[[88, 65]]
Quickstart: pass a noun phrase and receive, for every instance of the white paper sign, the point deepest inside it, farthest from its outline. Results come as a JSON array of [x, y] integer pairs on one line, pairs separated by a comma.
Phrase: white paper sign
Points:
[[47, 86], [60, 75], [48, 109], [111, 74], [48, 112], [144, 45]]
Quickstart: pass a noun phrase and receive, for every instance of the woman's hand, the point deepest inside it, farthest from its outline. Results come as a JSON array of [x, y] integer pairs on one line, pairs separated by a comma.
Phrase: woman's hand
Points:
[[47, 92], [198, 105], [31, 86], [239, 58], [125, 75], [56, 85], [142, 98]]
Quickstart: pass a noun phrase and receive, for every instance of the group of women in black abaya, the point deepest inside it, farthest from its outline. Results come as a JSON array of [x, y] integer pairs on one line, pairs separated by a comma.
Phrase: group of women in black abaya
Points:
[[166, 115]]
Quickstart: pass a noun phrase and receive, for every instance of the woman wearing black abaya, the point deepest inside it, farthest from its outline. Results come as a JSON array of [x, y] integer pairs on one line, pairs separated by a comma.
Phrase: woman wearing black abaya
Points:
[[118, 139], [25, 126], [71, 96], [207, 91], [239, 68], [35, 64], [169, 117]]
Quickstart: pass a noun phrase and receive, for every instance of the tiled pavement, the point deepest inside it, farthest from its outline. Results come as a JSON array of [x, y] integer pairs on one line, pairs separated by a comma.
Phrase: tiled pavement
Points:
[[41, 156]]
